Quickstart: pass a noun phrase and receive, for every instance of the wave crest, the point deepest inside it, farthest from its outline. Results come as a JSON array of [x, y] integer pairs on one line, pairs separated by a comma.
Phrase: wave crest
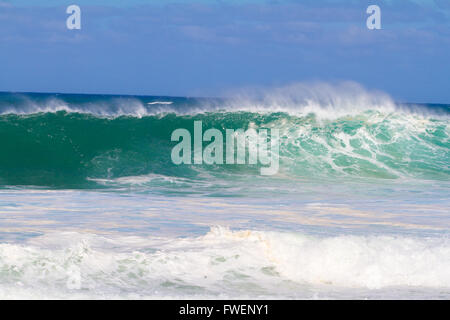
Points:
[[324, 100]]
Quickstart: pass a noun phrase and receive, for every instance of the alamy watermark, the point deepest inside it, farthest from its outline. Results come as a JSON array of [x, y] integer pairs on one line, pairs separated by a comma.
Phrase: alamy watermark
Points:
[[374, 20], [249, 147], [74, 20]]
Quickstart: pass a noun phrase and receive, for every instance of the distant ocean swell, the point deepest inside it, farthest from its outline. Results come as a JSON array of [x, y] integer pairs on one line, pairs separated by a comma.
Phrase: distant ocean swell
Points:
[[71, 146]]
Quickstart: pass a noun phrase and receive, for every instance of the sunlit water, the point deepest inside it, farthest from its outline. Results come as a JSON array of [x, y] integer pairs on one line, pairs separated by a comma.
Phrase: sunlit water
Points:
[[91, 205]]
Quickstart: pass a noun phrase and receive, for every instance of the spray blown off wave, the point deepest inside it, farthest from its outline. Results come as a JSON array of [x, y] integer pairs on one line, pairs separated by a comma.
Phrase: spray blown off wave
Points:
[[71, 141]]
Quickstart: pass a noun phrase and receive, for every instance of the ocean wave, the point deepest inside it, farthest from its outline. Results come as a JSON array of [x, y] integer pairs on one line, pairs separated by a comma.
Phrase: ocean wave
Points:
[[70, 149], [224, 263], [325, 131]]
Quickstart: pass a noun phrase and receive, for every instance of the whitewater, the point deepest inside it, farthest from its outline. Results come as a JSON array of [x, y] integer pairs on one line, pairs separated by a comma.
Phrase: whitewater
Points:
[[91, 205]]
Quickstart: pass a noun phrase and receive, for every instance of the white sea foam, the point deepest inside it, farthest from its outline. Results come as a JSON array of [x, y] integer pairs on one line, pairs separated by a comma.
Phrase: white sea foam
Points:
[[223, 264], [143, 179], [160, 102]]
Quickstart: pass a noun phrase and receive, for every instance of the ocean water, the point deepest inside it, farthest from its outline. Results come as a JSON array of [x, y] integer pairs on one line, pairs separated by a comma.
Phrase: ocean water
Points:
[[91, 205]]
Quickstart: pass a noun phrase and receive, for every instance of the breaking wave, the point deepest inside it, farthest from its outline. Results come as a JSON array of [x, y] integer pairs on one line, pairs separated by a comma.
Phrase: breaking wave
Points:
[[224, 263], [325, 131]]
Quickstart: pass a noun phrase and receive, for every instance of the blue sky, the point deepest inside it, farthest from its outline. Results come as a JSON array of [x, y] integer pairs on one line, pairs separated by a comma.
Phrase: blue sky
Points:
[[206, 48]]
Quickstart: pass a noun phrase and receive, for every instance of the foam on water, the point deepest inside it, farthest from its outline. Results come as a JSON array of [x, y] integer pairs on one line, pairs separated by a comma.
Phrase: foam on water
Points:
[[223, 263]]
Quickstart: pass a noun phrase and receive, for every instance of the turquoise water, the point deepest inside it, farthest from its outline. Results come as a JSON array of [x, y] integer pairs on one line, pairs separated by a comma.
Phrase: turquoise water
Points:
[[91, 204]]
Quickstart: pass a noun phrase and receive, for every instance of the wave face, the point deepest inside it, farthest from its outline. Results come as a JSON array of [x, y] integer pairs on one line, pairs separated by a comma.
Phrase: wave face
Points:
[[88, 141], [225, 264]]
